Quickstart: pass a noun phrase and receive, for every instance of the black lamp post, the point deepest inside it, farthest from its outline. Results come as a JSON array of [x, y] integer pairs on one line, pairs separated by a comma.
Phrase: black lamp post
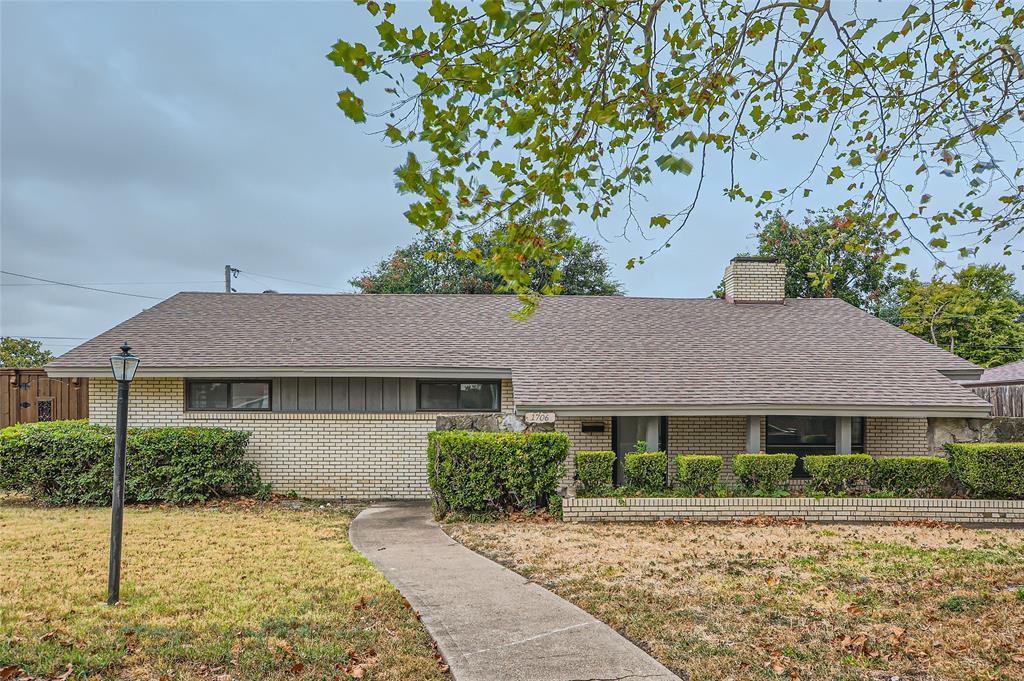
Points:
[[123, 365]]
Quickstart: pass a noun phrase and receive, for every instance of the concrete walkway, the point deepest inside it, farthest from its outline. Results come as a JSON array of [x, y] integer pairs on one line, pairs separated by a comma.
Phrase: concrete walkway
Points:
[[490, 623]]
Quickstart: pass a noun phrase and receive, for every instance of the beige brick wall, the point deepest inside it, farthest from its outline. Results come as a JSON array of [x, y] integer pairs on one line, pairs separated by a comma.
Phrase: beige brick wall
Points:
[[723, 436], [755, 282], [350, 455], [887, 436], [583, 442]]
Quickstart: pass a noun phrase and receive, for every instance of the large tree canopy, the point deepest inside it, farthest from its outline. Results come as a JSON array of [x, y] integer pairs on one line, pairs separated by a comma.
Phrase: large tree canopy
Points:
[[566, 108], [23, 353], [976, 314], [425, 266], [834, 255]]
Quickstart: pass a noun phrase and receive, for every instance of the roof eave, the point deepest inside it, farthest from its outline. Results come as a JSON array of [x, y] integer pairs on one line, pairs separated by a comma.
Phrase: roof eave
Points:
[[276, 372], [908, 411]]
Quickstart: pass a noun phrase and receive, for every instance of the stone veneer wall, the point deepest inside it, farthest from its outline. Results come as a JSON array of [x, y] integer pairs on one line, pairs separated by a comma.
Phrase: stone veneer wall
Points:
[[841, 510], [320, 455]]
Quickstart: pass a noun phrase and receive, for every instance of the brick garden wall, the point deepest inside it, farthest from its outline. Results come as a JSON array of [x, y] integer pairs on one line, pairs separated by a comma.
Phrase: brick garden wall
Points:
[[847, 510]]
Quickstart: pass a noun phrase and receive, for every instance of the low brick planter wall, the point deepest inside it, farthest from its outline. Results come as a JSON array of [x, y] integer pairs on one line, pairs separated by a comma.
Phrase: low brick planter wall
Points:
[[839, 510]]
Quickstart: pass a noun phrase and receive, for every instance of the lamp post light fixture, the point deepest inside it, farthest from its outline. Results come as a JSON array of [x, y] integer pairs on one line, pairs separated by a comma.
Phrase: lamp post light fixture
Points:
[[123, 366]]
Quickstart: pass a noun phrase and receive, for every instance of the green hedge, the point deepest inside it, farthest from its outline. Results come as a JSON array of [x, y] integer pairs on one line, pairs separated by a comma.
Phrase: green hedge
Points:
[[838, 472], [909, 475], [71, 462], [764, 473], [989, 469], [594, 472], [478, 472], [698, 474], [647, 471]]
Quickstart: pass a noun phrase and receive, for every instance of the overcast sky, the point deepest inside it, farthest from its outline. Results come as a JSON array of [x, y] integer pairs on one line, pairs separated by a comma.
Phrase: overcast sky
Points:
[[146, 145]]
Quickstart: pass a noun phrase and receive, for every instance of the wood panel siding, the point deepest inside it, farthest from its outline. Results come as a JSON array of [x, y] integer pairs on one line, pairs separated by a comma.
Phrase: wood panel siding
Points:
[[334, 395], [29, 395]]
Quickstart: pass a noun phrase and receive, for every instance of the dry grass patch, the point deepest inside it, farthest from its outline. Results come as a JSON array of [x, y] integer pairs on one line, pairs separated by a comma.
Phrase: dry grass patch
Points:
[[788, 601], [208, 593]]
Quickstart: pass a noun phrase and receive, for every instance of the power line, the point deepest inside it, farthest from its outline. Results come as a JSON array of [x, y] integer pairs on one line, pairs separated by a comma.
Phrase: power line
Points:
[[122, 283], [291, 281], [86, 288], [47, 337]]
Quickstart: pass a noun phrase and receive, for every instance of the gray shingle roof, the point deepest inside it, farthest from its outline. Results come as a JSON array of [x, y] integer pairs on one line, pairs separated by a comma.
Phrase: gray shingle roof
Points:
[[1007, 373], [574, 352]]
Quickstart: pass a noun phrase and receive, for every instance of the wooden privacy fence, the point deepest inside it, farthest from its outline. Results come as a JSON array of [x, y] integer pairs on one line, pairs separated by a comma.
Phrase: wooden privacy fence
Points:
[[1006, 400], [29, 395]]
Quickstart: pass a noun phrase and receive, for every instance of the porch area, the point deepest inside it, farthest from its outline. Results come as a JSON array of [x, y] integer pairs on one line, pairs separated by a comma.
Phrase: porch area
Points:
[[729, 434]]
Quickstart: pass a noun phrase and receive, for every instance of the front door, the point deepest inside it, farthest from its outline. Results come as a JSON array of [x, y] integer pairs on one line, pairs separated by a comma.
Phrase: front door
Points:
[[628, 431]]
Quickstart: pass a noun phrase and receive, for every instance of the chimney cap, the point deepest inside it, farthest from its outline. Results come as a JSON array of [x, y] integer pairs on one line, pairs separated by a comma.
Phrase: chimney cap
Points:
[[754, 258]]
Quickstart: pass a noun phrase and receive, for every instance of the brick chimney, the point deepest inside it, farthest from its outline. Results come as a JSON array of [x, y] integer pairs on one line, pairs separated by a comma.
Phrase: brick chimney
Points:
[[752, 279]]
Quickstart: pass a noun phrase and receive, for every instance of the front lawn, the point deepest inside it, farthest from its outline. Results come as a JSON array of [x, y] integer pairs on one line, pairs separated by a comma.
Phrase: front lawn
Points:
[[230, 592], [791, 601]]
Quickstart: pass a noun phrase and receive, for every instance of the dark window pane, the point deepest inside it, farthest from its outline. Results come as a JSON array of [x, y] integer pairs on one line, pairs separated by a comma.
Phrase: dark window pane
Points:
[[250, 396], [481, 396], [207, 395], [857, 436], [800, 431], [439, 396]]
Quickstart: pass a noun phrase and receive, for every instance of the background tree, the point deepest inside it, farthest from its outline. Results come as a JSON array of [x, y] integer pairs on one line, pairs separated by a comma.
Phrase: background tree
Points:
[[975, 315], [571, 107], [834, 255], [579, 267], [23, 353]]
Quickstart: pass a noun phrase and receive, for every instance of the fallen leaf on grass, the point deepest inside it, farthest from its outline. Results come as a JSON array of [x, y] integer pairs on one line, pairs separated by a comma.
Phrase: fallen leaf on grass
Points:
[[854, 609], [11, 671], [296, 668], [66, 675]]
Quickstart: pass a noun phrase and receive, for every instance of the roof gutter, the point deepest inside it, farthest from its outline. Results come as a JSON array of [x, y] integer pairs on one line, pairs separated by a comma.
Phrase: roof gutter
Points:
[[282, 372], [760, 410]]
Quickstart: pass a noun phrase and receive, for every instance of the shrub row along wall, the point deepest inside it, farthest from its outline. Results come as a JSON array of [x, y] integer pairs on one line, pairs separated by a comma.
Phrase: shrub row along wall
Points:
[[322, 455], [841, 510]]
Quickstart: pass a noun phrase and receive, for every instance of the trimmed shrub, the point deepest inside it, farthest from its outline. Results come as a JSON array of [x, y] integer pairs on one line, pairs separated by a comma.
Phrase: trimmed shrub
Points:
[[908, 475], [594, 472], [647, 471], [838, 472], [764, 473], [71, 462], [478, 472], [989, 469], [698, 474]]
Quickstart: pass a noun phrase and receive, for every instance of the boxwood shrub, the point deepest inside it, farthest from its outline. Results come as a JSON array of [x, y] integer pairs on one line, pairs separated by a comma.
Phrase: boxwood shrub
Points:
[[838, 472], [594, 472], [764, 473], [909, 475], [479, 472], [698, 474], [989, 469], [647, 471], [71, 462]]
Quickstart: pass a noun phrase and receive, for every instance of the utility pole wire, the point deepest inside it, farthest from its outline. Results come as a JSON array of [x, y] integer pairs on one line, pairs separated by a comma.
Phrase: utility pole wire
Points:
[[86, 288]]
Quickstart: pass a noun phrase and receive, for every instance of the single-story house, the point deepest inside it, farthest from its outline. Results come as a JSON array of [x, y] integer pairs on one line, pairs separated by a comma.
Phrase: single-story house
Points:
[[340, 391]]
